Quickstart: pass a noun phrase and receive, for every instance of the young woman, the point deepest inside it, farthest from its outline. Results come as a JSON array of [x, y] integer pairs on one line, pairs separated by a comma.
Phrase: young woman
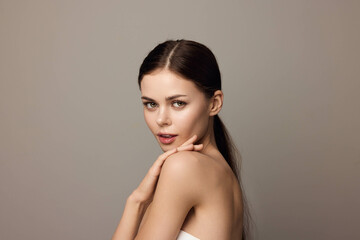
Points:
[[193, 190]]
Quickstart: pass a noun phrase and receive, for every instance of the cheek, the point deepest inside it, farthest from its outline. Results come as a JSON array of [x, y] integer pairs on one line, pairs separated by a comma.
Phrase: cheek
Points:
[[193, 121], [150, 120]]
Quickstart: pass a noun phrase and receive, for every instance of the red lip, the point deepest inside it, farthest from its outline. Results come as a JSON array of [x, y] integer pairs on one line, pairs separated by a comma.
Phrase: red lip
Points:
[[166, 138]]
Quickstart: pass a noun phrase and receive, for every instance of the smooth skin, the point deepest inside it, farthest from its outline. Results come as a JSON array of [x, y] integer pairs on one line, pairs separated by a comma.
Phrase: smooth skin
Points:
[[190, 186]]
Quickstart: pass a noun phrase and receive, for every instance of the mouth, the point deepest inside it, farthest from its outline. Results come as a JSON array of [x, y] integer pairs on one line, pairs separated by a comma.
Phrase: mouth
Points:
[[166, 138]]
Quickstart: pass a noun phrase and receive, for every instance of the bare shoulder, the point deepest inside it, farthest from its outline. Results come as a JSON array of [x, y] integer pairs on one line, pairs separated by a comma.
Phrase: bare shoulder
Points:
[[184, 160], [183, 166], [187, 163], [193, 169], [180, 178]]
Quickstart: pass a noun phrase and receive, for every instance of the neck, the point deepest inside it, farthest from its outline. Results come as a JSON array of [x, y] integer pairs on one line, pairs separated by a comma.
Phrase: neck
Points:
[[208, 140]]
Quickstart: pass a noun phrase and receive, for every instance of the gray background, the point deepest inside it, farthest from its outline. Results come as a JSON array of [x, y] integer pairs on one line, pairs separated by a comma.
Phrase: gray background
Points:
[[73, 142]]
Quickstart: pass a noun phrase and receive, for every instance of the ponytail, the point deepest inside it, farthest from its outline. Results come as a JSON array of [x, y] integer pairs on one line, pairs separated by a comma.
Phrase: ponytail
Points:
[[225, 145], [227, 148]]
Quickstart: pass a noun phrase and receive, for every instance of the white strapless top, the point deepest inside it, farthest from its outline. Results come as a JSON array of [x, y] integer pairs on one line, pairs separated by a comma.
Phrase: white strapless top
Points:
[[186, 236]]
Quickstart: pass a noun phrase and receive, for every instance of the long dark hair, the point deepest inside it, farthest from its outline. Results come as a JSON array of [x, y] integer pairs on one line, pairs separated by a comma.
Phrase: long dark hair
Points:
[[196, 62]]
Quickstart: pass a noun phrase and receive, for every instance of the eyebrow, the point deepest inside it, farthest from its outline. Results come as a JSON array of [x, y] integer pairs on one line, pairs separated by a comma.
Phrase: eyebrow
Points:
[[168, 98]]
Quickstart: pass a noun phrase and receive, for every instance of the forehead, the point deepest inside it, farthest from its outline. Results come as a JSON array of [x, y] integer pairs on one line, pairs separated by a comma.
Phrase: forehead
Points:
[[165, 82]]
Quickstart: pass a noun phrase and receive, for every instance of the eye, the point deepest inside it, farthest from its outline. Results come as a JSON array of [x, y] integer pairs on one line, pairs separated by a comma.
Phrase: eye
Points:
[[150, 105], [178, 104]]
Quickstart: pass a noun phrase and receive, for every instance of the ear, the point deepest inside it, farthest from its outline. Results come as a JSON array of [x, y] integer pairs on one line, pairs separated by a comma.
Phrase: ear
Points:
[[216, 102]]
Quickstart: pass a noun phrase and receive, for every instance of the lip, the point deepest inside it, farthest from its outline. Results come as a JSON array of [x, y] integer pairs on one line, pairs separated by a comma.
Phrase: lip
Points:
[[166, 138]]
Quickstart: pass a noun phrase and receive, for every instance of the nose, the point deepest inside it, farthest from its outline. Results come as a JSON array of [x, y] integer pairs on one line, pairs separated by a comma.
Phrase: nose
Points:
[[163, 118]]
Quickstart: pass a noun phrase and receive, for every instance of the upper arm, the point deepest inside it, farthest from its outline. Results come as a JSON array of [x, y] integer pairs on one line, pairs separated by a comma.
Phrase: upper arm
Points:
[[176, 193]]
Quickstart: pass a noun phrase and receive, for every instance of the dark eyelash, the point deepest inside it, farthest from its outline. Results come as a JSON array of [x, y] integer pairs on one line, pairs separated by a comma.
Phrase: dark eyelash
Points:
[[146, 103], [180, 102]]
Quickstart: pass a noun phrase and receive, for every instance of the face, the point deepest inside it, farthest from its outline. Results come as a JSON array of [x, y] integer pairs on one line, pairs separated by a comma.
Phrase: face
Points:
[[174, 108]]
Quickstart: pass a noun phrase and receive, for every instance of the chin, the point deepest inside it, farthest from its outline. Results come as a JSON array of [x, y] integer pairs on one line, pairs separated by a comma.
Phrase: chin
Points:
[[165, 148]]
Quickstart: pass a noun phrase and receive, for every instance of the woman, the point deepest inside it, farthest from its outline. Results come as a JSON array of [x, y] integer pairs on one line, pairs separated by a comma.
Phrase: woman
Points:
[[192, 191]]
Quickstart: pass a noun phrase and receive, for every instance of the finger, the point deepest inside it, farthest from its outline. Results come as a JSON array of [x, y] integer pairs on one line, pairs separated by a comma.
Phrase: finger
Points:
[[160, 160], [166, 154], [188, 147], [190, 140], [155, 169], [198, 147], [191, 147]]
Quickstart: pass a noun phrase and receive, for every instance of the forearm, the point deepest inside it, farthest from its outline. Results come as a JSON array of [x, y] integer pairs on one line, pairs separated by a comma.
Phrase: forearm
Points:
[[130, 220]]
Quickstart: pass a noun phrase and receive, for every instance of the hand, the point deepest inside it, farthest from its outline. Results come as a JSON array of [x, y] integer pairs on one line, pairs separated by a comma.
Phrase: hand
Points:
[[145, 191]]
